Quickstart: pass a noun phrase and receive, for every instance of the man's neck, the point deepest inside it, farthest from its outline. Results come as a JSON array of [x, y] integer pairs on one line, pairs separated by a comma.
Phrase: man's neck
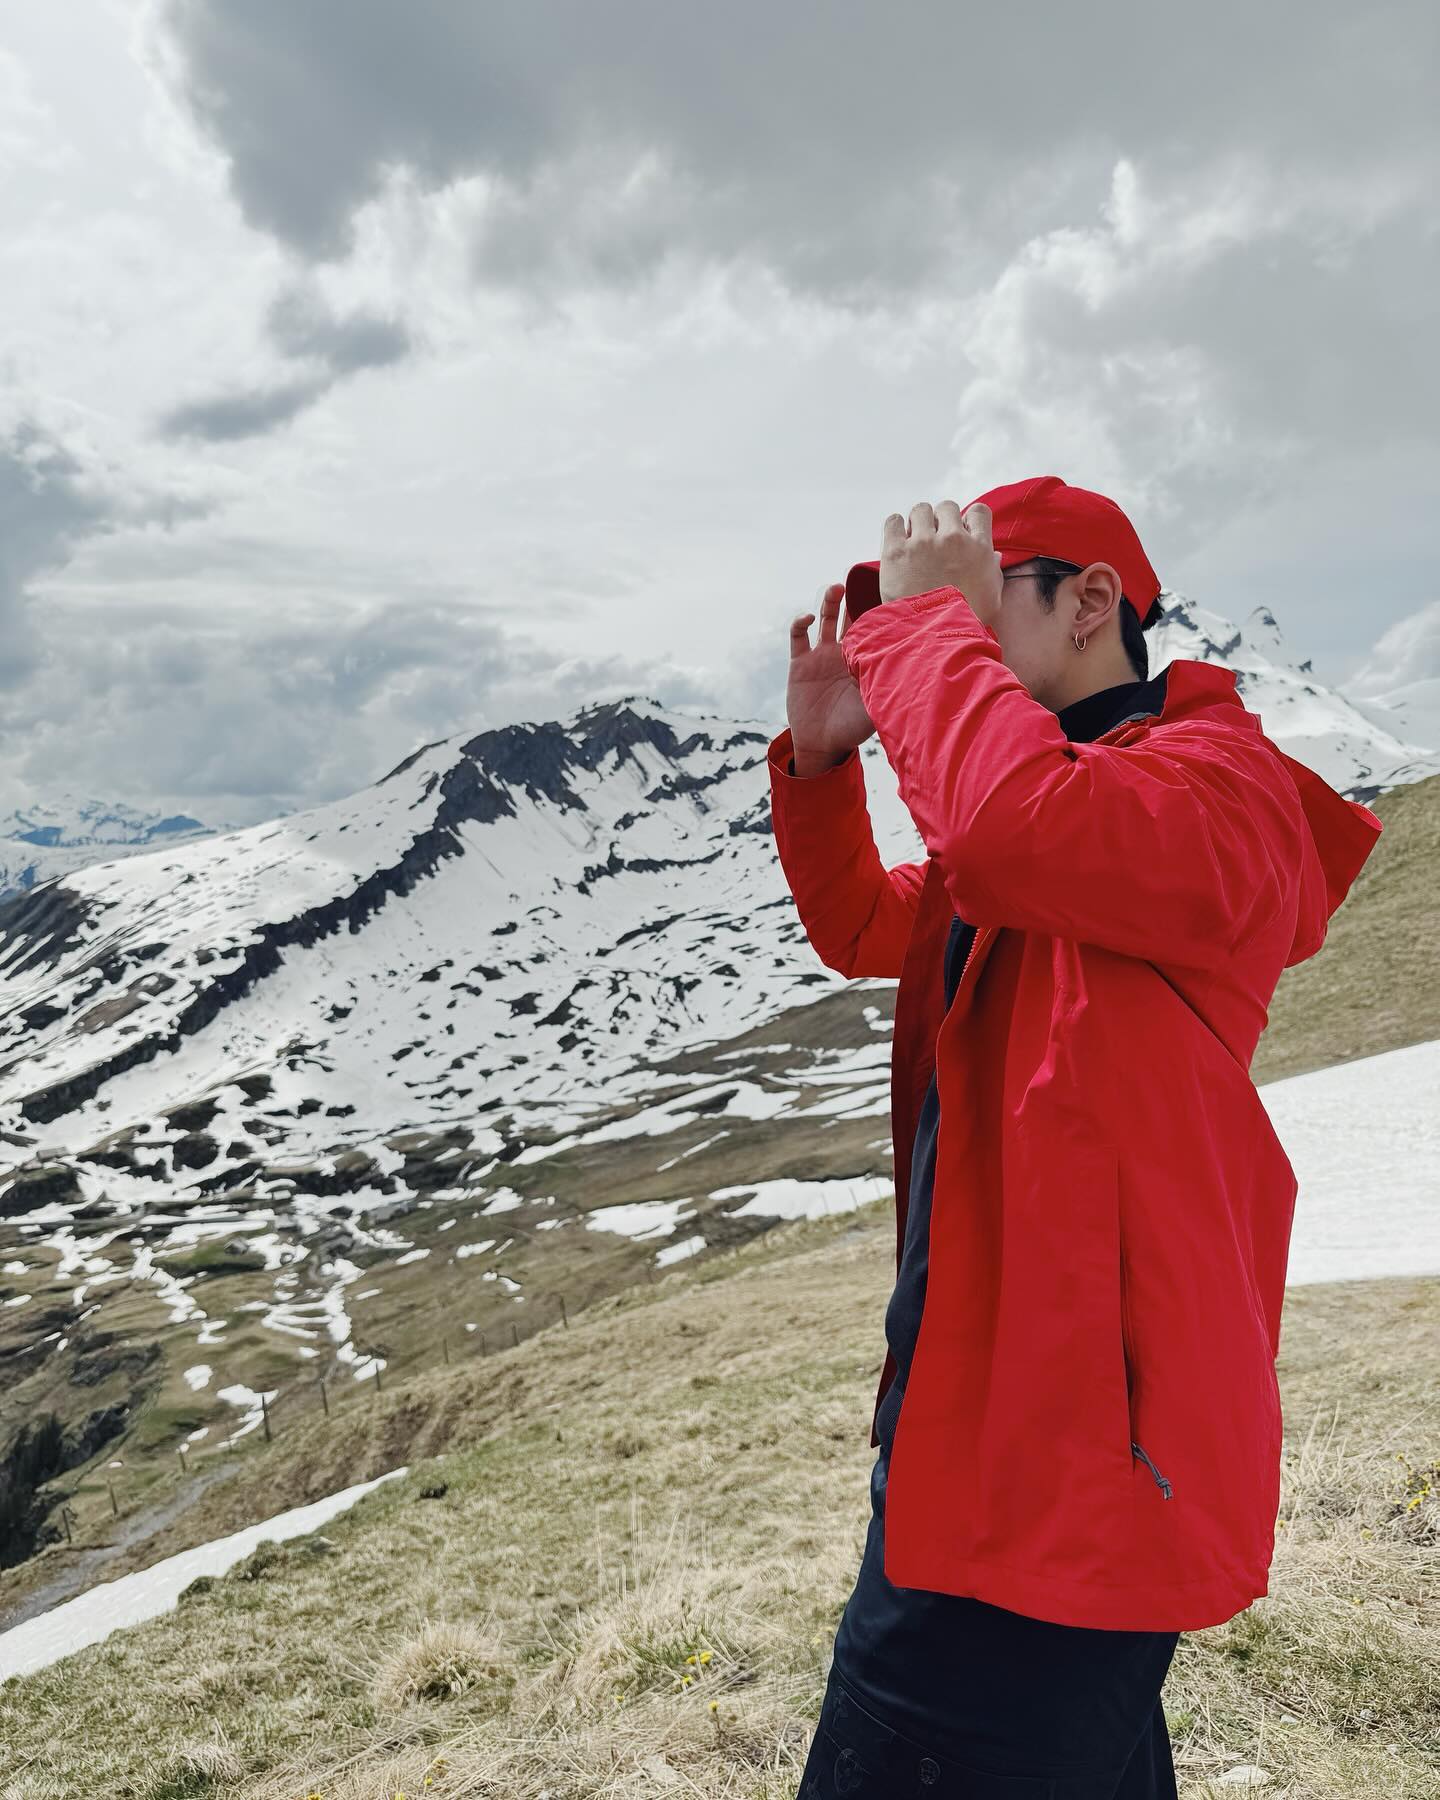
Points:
[[1086, 677]]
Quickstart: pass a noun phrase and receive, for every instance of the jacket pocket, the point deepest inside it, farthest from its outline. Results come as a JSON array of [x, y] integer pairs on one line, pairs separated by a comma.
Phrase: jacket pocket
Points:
[[1127, 1345]]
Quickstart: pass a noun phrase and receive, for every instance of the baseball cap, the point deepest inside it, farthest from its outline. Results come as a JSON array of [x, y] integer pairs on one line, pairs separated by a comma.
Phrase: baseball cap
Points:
[[1045, 516]]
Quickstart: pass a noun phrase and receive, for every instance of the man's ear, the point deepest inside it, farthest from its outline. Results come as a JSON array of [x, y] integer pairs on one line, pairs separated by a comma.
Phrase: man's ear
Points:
[[1099, 590]]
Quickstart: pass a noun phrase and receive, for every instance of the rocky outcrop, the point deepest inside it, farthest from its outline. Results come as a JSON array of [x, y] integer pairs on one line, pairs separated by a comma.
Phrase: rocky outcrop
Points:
[[42, 1449], [479, 789], [51, 1184]]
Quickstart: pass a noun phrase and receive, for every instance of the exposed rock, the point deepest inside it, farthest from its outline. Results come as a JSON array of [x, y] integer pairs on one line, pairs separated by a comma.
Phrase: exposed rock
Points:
[[51, 1184], [103, 1354], [39, 1451], [195, 1116], [196, 1150]]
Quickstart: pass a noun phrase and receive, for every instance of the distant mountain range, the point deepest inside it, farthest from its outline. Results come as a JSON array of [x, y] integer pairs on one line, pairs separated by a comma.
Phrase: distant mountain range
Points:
[[60, 836]]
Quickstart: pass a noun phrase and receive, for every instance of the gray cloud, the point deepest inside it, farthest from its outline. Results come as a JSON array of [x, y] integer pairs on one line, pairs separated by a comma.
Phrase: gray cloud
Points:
[[243, 724], [299, 324], [241, 676], [852, 149], [224, 417], [49, 502], [1165, 268]]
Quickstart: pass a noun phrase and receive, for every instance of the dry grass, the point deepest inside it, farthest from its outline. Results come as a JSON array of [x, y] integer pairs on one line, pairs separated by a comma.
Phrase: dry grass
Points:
[[631, 1581], [445, 1658]]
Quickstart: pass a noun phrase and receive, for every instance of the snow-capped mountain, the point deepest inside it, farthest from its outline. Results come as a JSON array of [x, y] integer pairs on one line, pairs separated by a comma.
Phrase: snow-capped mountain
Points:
[[57, 837], [537, 971], [524, 912]]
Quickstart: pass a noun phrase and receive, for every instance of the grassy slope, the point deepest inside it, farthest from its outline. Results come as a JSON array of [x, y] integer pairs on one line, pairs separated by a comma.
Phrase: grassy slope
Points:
[[685, 1470]]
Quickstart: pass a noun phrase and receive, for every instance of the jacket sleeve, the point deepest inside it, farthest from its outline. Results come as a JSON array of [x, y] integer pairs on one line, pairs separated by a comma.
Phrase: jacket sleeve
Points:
[[1165, 849], [856, 913]]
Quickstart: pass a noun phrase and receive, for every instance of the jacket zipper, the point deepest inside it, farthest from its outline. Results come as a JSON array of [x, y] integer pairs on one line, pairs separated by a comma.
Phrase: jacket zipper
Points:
[[1164, 1485]]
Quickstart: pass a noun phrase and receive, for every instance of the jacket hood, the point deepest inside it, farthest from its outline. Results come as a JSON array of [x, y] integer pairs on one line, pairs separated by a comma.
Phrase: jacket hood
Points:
[[1342, 835], [1342, 832]]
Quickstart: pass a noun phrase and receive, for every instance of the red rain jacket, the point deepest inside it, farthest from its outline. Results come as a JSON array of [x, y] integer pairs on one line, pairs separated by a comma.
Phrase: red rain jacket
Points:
[[1112, 1207]]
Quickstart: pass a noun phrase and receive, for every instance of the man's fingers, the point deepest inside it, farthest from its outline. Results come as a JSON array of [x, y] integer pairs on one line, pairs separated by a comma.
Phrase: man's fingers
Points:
[[977, 521], [830, 612], [947, 515], [922, 517], [896, 531], [828, 600]]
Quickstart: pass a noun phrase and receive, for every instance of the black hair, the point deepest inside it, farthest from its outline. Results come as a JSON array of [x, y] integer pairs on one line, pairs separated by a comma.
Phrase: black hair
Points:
[[1050, 572]]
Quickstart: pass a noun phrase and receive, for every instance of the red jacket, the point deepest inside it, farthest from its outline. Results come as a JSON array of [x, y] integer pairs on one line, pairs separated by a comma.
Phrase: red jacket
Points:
[[1112, 1207]]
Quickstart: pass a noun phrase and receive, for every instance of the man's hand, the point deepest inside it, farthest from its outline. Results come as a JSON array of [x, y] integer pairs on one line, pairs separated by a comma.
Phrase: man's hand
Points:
[[939, 548], [822, 698]]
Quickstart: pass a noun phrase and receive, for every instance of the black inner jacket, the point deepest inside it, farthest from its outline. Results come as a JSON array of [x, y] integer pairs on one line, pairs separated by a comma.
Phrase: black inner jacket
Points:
[[907, 1650]]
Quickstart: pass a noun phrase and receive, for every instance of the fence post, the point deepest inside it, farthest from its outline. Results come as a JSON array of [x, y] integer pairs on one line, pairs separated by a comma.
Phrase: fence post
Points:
[[484, 1346], [324, 1397], [265, 1416], [565, 1317], [379, 1388], [114, 1503], [445, 1350], [514, 1334], [65, 1521], [185, 1466]]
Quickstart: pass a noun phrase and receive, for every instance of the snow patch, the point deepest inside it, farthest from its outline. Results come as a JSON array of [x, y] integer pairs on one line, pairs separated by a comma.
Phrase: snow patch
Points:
[[113, 1605]]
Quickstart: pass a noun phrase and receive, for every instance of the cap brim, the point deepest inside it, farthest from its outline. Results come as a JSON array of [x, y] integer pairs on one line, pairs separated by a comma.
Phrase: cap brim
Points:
[[862, 589]]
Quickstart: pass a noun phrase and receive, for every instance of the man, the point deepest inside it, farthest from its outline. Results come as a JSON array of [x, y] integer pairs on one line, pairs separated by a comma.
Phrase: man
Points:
[[1078, 1417]]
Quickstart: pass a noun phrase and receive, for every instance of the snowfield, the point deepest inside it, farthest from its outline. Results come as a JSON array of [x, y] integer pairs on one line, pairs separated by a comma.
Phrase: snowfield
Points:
[[93, 1615]]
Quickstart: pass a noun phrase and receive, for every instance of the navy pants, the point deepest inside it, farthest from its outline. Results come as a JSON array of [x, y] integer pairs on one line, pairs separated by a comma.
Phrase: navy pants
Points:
[[855, 1752]]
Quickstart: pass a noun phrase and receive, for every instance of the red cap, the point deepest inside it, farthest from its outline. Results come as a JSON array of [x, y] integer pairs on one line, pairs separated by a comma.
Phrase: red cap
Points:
[[1044, 516]]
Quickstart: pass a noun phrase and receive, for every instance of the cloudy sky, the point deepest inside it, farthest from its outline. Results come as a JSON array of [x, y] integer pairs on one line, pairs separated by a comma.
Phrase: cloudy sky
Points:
[[376, 371]]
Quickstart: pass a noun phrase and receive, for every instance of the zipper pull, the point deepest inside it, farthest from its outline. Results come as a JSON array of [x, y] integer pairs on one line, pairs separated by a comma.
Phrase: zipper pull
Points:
[[1164, 1485]]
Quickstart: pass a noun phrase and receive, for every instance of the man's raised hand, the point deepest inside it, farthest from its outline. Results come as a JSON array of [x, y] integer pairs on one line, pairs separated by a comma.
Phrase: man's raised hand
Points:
[[940, 548], [822, 698]]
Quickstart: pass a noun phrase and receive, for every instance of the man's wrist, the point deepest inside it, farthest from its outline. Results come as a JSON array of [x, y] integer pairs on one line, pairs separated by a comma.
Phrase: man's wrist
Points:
[[814, 762]]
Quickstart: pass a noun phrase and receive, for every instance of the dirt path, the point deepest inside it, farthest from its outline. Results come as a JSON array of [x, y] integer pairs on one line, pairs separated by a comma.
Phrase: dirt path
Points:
[[81, 1569]]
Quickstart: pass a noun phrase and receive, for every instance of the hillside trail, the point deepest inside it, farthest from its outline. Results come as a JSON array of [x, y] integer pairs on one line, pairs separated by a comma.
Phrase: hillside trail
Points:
[[81, 1568]]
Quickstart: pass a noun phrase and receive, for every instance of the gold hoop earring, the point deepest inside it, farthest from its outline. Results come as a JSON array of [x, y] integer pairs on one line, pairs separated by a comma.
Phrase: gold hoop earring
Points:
[[1078, 641]]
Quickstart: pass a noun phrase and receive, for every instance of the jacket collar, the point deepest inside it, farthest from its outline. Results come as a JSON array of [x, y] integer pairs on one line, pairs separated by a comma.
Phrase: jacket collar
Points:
[[1085, 718]]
